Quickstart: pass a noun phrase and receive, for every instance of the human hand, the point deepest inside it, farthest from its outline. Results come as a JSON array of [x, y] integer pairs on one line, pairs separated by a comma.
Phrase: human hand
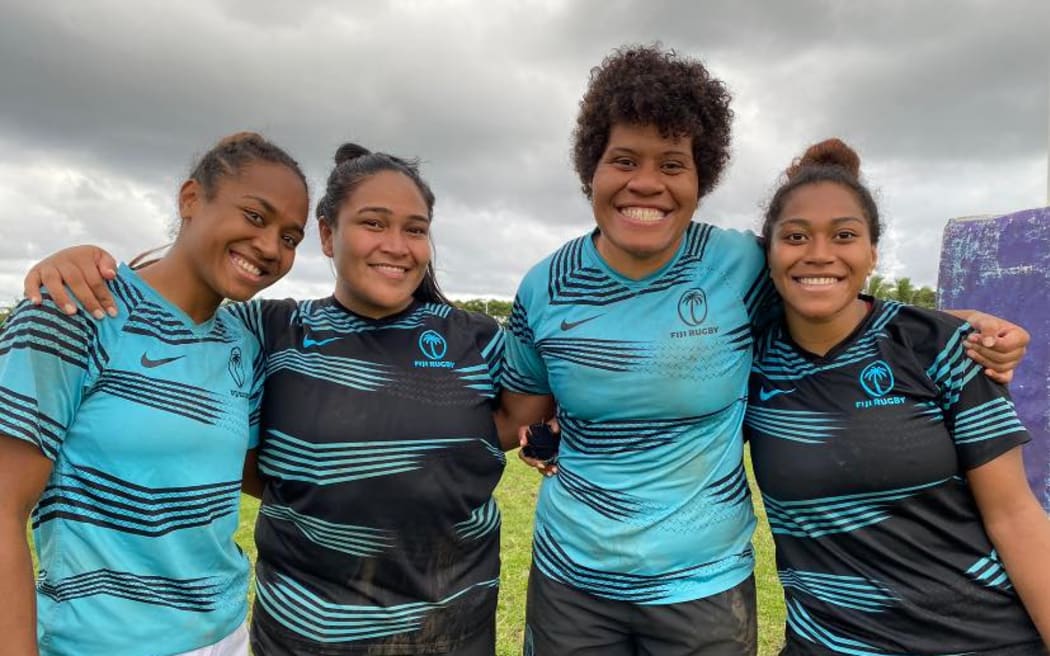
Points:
[[85, 270], [543, 444]]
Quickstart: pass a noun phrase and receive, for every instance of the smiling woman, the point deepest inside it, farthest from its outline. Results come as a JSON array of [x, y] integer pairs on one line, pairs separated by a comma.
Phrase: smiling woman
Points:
[[130, 435], [940, 546]]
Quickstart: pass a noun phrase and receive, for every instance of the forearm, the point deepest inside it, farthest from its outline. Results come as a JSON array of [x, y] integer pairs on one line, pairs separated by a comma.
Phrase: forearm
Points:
[[517, 410], [18, 621], [1022, 540]]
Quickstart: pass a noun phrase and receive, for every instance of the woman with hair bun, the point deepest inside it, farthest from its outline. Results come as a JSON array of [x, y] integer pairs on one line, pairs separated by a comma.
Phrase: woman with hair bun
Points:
[[891, 470], [378, 455], [129, 436]]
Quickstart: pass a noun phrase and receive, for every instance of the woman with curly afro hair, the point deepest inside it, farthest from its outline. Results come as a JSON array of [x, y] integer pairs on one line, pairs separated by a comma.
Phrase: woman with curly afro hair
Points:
[[642, 331]]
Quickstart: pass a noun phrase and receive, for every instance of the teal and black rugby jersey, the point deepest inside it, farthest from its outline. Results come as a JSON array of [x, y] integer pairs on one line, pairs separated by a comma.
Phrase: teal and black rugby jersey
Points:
[[650, 504], [146, 418], [378, 532], [862, 456]]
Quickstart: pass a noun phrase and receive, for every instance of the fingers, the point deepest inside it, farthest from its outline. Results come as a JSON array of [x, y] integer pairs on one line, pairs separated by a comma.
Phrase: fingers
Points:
[[31, 286], [546, 468], [52, 278]]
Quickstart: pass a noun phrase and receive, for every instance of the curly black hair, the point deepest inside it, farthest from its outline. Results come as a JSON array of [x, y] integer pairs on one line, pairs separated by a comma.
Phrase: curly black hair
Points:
[[647, 85]]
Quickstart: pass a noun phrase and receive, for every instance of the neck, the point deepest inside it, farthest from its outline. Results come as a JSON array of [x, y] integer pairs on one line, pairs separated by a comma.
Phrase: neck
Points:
[[820, 335], [174, 278]]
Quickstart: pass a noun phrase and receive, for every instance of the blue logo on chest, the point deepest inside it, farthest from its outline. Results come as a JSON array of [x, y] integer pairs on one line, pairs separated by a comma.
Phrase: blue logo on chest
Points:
[[692, 307], [433, 345], [877, 379]]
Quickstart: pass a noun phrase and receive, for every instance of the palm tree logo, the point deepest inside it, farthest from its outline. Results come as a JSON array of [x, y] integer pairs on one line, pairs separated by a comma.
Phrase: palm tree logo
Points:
[[236, 366], [433, 345], [877, 379], [692, 307]]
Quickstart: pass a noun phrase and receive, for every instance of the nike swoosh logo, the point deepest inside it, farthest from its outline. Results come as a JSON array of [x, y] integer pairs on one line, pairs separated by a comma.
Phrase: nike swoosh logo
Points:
[[569, 325], [307, 342], [149, 364], [765, 394]]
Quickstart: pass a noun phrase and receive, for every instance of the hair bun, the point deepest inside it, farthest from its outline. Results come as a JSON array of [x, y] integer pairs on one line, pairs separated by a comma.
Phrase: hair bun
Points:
[[830, 152], [349, 151]]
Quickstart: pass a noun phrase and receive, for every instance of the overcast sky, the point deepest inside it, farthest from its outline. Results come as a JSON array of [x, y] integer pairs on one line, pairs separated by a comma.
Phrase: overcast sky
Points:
[[104, 105]]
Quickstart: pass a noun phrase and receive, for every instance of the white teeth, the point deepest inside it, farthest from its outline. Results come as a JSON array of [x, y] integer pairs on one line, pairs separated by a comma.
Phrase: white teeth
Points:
[[245, 265], [390, 267], [818, 281], [643, 213]]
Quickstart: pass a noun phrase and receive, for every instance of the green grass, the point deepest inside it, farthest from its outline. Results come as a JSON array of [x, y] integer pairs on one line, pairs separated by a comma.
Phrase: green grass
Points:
[[517, 498]]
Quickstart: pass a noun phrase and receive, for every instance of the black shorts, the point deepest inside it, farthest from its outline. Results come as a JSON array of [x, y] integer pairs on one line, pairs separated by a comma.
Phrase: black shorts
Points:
[[268, 640], [563, 621]]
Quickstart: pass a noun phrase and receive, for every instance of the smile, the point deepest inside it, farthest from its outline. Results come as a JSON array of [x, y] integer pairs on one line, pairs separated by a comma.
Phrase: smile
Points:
[[390, 270], [244, 265], [816, 281], [643, 214]]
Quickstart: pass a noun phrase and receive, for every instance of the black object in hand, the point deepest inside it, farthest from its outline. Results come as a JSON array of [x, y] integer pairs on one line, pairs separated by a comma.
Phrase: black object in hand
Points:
[[541, 443]]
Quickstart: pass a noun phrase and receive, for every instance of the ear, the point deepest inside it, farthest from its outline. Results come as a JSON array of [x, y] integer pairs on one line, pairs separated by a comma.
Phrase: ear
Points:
[[327, 236], [874, 259], [190, 197]]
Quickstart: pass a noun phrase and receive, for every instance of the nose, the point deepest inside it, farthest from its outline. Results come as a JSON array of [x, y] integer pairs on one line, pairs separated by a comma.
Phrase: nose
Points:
[[819, 250], [646, 180], [394, 242], [268, 244]]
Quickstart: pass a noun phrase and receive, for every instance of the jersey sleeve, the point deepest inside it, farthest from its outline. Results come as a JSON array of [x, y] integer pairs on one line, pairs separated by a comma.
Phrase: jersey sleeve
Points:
[[492, 343], [978, 412], [524, 371], [47, 360], [749, 273]]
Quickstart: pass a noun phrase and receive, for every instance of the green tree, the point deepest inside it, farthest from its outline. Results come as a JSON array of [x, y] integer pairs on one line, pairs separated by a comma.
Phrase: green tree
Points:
[[879, 287], [904, 291], [925, 297], [498, 310]]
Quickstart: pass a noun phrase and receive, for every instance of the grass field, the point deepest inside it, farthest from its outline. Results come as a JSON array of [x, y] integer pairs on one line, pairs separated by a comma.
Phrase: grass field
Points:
[[517, 497]]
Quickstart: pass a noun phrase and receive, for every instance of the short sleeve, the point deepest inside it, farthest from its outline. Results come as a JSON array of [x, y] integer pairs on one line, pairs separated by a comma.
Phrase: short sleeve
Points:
[[978, 412], [46, 361], [524, 371], [492, 343]]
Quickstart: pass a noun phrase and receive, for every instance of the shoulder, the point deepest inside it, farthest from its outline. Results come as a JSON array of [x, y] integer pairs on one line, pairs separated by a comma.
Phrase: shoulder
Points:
[[922, 329], [464, 322], [563, 262], [731, 244]]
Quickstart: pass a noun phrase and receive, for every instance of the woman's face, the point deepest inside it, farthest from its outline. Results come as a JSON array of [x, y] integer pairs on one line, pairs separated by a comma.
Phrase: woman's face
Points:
[[820, 253], [243, 238], [380, 245], [644, 193]]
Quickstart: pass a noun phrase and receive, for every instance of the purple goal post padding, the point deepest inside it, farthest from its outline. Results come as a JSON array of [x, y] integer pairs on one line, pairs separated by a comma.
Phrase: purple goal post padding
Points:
[[1001, 265]]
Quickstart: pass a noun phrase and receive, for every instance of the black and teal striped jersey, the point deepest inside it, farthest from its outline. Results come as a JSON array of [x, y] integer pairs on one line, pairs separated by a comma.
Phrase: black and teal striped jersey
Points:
[[378, 532], [650, 504], [146, 419], [861, 456]]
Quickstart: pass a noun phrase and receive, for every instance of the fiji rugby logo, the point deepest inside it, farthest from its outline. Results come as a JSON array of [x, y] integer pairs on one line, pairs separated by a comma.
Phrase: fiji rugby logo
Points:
[[433, 346], [877, 379], [692, 307], [236, 366]]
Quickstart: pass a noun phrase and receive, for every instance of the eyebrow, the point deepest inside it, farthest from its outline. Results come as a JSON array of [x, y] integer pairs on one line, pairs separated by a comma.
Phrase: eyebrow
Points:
[[835, 221], [632, 151], [385, 210]]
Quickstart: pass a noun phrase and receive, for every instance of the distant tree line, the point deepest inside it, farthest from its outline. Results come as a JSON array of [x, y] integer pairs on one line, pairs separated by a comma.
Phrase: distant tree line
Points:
[[498, 310], [878, 286], [901, 290]]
